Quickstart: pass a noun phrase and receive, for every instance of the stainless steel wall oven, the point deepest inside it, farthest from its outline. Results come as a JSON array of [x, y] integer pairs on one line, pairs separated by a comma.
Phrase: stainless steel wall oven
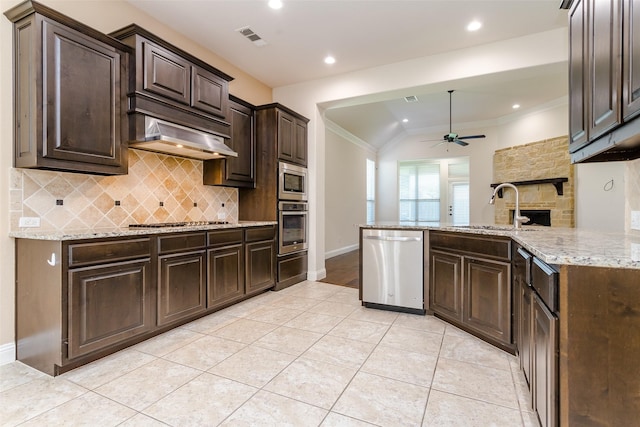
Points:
[[292, 223]]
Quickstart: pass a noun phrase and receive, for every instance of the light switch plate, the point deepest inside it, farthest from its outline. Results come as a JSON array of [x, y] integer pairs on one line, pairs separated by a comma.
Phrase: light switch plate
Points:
[[29, 221], [635, 220]]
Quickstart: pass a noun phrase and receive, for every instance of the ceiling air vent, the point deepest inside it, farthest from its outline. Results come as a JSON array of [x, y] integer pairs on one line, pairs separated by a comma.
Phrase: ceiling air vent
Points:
[[253, 37], [411, 98]]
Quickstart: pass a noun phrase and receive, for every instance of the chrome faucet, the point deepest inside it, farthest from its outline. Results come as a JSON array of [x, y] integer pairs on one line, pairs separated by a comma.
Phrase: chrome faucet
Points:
[[517, 218]]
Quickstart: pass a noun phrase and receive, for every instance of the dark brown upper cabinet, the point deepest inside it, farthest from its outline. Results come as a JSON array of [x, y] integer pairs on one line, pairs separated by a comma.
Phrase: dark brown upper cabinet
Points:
[[236, 171], [604, 80], [70, 94], [292, 138], [173, 85]]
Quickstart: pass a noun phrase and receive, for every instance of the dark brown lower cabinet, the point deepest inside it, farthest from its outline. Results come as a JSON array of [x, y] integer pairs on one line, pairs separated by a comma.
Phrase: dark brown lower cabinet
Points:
[[470, 284], [105, 294], [181, 276], [525, 342], [108, 304], [292, 269], [487, 298], [445, 291], [545, 363], [181, 286], [226, 274]]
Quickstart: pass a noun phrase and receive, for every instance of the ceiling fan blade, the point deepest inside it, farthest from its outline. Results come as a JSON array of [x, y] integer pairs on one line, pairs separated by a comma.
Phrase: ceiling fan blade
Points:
[[439, 143], [461, 143], [471, 137]]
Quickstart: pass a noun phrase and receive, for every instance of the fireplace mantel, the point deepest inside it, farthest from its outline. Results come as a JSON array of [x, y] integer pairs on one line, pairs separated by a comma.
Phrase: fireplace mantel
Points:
[[556, 182]]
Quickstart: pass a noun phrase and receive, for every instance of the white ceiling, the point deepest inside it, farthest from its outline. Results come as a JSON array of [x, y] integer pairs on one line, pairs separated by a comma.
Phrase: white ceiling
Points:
[[366, 33]]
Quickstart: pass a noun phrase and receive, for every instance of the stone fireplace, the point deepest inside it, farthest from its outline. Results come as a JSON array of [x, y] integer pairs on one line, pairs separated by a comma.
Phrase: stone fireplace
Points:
[[547, 159]]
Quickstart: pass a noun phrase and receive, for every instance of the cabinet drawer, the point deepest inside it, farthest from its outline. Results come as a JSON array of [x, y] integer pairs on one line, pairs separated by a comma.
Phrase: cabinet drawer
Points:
[[261, 233], [545, 281], [181, 242], [107, 251], [224, 238], [486, 246]]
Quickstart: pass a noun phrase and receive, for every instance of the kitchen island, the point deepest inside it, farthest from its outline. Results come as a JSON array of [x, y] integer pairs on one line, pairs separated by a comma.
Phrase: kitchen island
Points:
[[584, 348], [83, 294]]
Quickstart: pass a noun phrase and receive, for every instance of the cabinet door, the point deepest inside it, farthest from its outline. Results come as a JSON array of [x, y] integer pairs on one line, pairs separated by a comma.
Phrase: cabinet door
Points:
[[300, 147], [260, 260], [226, 275], [631, 58], [286, 136], [578, 83], [242, 168], [166, 74], [209, 92], [181, 286], [108, 304], [545, 386], [83, 99], [446, 284], [487, 296], [604, 66]]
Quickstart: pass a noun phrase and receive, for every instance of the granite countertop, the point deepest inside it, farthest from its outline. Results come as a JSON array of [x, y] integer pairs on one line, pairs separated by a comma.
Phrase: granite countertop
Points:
[[571, 246], [98, 233]]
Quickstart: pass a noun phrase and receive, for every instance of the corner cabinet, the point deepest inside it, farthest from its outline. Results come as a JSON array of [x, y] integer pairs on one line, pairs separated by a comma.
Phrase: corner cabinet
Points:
[[604, 80], [470, 284], [238, 171], [71, 85]]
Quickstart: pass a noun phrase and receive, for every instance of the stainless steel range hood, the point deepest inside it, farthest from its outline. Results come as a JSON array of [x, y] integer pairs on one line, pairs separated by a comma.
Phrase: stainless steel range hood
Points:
[[169, 138]]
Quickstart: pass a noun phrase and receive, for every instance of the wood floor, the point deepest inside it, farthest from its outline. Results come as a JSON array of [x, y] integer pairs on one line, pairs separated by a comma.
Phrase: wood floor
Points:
[[343, 269]]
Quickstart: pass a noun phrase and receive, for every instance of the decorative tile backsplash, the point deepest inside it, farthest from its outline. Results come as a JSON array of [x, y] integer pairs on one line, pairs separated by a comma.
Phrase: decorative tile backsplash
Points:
[[537, 160], [158, 188]]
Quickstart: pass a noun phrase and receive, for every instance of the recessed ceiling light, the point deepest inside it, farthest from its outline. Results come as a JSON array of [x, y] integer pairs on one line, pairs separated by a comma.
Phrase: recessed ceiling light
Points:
[[515, 106], [329, 60], [474, 25], [405, 120], [275, 4]]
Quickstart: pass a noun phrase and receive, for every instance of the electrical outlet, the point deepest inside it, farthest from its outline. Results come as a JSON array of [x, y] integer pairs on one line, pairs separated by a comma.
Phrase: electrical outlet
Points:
[[635, 252], [635, 220], [222, 216], [29, 221]]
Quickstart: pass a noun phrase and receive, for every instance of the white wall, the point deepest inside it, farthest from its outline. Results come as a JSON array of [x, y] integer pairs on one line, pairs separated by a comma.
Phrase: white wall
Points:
[[345, 186], [480, 153], [599, 202]]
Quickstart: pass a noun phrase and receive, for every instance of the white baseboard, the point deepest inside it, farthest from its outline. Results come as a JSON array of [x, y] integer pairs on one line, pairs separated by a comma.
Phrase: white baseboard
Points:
[[316, 275], [340, 251], [7, 353]]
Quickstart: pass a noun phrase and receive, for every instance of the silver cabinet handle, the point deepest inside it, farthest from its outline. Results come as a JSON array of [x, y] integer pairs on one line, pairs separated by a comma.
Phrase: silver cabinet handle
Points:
[[394, 239], [52, 261]]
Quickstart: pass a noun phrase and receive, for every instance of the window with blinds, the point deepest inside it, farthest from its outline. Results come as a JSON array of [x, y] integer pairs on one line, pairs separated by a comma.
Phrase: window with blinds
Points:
[[371, 191], [419, 191]]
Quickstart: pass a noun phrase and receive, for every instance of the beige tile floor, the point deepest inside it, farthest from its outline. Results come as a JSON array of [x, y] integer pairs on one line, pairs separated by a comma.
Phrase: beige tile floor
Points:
[[305, 356]]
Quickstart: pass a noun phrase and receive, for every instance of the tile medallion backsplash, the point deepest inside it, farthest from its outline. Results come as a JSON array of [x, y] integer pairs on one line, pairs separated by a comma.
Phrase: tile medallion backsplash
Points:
[[158, 188]]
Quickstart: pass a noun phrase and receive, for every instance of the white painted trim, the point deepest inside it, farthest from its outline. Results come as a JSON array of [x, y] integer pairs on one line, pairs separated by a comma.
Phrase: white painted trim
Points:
[[7, 353], [340, 251], [317, 275], [339, 130]]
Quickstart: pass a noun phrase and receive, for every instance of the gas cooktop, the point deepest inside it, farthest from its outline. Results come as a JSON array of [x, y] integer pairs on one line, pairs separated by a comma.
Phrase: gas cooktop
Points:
[[177, 224]]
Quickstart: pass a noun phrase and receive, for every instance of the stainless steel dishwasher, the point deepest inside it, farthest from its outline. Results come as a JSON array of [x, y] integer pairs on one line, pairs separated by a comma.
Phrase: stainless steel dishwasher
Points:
[[392, 270]]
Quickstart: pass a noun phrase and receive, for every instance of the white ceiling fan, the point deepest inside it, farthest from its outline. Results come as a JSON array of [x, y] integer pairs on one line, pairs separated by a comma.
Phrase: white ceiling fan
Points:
[[451, 136]]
